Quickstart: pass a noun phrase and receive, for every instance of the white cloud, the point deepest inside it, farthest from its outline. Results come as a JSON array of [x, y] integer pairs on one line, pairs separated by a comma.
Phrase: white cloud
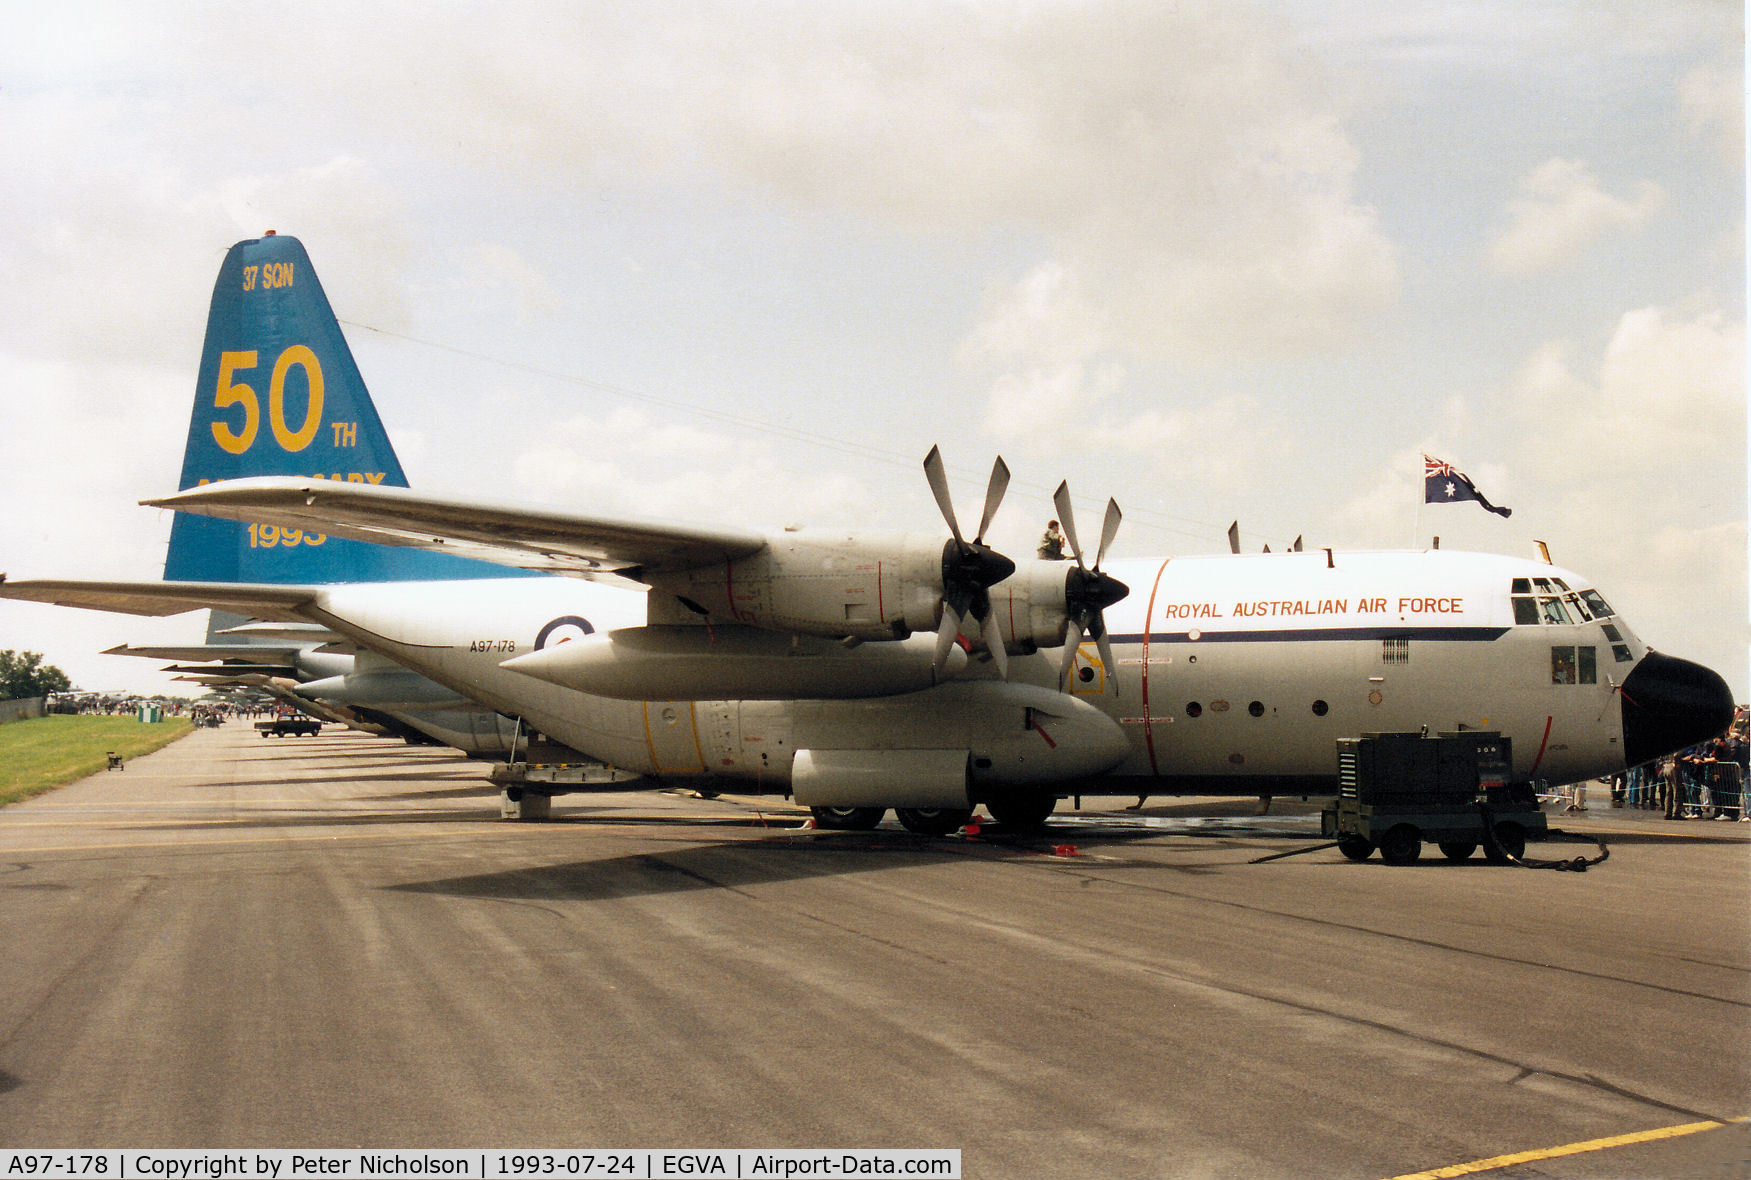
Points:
[[1561, 212], [493, 268], [1713, 101], [83, 442], [628, 464], [1669, 383], [1041, 345], [1182, 161], [1639, 454]]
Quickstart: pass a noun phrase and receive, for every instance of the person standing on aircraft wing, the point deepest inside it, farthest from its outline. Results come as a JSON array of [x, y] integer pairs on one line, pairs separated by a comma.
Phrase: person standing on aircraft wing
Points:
[[1052, 543]]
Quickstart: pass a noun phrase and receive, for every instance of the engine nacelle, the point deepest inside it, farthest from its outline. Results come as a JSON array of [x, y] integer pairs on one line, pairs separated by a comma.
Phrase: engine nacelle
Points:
[[731, 662], [871, 586], [1029, 605]]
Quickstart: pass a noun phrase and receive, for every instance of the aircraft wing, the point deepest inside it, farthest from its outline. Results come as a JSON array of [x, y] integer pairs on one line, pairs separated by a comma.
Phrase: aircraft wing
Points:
[[249, 653], [263, 600], [531, 538]]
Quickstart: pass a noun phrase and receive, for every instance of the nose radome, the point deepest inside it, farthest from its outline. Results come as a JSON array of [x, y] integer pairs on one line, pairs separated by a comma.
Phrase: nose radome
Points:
[[1669, 704]]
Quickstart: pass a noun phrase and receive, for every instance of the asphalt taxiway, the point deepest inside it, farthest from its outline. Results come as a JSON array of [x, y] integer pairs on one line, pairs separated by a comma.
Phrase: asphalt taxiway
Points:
[[335, 942]]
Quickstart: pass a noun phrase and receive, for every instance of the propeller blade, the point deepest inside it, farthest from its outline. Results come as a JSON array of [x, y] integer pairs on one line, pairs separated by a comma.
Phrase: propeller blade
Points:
[[1108, 530], [933, 471], [1106, 660], [993, 496], [1087, 591], [946, 635], [994, 643], [1072, 643], [1067, 519], [969, 568]]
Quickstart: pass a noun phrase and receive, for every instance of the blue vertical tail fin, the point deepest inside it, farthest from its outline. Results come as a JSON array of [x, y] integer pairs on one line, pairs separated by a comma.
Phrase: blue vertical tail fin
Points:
[[280, 394]]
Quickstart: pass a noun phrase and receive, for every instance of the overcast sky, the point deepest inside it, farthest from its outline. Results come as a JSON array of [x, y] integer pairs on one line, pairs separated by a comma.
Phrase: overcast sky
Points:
[[745, 262]]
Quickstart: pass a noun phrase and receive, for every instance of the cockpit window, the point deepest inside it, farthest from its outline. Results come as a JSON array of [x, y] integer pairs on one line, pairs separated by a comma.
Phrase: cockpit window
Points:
[[1574, 665], [1601, 608], [1550, 602]]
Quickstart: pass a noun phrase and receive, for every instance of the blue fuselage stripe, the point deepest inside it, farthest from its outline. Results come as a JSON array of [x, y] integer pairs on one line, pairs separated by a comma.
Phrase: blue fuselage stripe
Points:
[[1324, 634]]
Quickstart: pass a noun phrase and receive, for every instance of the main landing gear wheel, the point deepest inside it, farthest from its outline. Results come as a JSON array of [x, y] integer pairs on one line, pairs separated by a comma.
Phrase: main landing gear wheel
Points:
[[1401, 845], [933, 821], [1022, 812], [1356, 847], [848, 819]]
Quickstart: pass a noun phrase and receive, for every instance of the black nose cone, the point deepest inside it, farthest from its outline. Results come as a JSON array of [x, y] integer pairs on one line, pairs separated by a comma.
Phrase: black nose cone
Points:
[[1669, 704]]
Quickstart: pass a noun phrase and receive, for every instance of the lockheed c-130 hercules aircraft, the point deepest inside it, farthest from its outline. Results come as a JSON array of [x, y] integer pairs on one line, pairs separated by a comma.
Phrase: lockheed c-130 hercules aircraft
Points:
[[858, 672]]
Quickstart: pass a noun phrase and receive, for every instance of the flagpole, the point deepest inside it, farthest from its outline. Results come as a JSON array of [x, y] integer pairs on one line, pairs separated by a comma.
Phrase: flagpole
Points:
[[1422, 495]]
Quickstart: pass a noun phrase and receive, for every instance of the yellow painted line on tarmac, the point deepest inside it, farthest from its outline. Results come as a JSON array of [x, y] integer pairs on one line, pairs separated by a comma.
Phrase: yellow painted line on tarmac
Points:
[[1527, 1157]]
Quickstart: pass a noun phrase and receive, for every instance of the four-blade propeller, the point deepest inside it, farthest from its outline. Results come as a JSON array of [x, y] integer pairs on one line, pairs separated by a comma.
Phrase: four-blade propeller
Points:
[[969, 568], [1087, 591]]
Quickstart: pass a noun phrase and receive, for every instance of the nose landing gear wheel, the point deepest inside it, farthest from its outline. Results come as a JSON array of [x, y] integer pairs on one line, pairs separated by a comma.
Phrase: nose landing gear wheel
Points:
[[1022, 812]]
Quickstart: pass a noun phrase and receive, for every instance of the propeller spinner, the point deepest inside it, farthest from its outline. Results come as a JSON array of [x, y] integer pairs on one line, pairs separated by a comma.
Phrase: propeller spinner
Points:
[[969, 568], [1087, 591]]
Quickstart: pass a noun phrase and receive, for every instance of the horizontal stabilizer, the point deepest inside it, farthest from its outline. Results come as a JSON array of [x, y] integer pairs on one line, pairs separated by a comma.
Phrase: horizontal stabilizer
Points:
[[166, 598], [247, 652]]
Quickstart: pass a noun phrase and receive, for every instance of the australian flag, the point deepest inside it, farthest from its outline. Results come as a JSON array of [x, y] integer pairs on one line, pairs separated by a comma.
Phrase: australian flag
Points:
[[1443, 485]]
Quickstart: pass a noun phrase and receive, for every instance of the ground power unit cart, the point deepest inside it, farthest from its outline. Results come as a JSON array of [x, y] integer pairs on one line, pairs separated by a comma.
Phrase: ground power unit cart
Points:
[[1397, 790]]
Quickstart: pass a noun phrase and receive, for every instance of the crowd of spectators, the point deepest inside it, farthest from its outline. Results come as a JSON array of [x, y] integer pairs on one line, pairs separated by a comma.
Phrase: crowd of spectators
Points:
[[1707, 781]]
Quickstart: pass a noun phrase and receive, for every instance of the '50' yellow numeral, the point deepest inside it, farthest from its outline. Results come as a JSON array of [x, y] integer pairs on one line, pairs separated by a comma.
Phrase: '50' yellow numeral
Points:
[[231, 392]]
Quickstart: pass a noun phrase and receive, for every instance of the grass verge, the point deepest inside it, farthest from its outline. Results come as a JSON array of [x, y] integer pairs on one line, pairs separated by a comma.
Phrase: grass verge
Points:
[[48, 752]]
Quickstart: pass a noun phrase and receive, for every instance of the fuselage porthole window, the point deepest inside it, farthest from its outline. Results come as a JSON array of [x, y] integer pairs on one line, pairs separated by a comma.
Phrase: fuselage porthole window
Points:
[[1194, 709]]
